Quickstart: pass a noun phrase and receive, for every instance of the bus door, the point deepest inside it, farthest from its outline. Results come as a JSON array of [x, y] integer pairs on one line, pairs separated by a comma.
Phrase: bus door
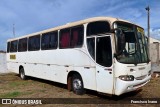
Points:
[[104, 66]]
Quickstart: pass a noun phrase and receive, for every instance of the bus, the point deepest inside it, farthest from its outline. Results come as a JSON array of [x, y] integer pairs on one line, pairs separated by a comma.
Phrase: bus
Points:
[[104, 54]]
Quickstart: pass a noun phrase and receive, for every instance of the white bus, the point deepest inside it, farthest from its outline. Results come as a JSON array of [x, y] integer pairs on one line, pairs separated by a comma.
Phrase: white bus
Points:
[[105, 54]]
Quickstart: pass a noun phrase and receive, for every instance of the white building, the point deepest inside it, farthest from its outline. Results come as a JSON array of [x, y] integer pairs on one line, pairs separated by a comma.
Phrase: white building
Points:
[[3, 66], [155, 54]]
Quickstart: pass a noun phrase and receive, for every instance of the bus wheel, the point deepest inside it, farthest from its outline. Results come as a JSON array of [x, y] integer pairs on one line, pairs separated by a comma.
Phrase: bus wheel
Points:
[[77, 85], [22, 74]]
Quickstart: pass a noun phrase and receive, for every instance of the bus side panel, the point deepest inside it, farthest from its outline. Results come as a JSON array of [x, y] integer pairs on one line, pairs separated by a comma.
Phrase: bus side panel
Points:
[[12, 64], [74, 60], [55, 65], [89, 78]]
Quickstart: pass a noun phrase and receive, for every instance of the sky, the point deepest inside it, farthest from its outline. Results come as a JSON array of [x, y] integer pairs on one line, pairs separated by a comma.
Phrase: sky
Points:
[[29, 16]]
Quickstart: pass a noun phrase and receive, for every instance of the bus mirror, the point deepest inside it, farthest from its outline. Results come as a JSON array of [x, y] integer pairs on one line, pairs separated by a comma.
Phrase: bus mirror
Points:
[[120, 41]]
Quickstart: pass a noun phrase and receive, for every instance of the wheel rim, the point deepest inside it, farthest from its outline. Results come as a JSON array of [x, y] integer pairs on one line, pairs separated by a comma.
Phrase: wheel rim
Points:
[[77, 84]]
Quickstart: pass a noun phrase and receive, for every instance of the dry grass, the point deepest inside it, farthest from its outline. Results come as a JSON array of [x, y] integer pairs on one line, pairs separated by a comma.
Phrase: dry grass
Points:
[[11, 86]]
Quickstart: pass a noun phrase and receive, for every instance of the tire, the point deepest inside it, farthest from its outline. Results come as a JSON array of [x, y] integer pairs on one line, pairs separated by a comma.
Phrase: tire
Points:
[[77, 85], [22, 74]]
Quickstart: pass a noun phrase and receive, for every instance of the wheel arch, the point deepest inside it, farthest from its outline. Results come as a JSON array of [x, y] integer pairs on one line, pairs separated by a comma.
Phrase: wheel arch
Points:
[[20, 67], [69, 79]]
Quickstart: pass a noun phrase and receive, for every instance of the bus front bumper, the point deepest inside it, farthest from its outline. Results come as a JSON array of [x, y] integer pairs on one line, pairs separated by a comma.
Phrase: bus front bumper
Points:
[[128, 86]]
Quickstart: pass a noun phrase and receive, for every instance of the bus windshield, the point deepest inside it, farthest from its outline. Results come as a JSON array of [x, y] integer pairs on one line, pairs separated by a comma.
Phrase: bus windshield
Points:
[[135, 50]]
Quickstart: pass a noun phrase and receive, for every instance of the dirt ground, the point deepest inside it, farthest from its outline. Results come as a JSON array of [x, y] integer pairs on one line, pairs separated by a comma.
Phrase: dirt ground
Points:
[[11, 86]]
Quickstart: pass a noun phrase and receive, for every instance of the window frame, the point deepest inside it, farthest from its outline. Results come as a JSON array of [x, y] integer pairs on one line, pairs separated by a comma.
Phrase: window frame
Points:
[[77, 27], [26, 45], [91, 50], [11, 46], [108, 51], [88, 34], [32, 49], [8, 46], [71, 37], [49, 34], [60, 37]]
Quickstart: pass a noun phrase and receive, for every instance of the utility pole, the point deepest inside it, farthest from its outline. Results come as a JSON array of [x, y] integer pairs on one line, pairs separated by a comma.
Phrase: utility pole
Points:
[[148, 23], [14, 30]]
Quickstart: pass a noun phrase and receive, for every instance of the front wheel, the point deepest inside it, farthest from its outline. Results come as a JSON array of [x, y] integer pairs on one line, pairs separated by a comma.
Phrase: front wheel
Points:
[[22, 74], [77, 84]]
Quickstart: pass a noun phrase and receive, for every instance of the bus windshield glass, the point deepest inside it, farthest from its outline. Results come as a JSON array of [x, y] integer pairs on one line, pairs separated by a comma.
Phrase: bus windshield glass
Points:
[[135, 49]]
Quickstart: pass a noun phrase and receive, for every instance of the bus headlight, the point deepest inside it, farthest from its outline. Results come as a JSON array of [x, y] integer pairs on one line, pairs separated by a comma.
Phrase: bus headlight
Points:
[[126, 77]]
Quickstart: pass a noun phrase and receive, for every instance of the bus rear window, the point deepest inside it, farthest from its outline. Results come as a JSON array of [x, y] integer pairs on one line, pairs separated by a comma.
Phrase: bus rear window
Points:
[[13, 47], [98, 27]]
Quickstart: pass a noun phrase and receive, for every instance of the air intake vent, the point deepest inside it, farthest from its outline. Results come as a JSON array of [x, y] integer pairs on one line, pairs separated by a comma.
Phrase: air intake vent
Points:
[[141, 77]]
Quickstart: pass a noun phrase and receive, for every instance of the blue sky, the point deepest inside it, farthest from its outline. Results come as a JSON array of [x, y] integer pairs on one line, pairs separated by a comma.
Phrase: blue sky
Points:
[[32, 16]]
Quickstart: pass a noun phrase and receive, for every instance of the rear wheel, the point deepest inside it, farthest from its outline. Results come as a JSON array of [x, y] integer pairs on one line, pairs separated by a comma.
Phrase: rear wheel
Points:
[[77, 84], [22, 74]]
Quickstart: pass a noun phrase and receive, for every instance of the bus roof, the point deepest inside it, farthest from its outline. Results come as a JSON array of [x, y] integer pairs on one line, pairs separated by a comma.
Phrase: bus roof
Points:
[[72, 24]]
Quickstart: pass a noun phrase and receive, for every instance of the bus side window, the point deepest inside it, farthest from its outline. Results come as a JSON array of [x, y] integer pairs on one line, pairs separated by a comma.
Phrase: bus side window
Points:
[[22, 45], [49, 40], [77, 37], [91, 46], [8, 47], [13, 47], [104, 51], [45, 41], [64, 38], [98, 27], [53, 40], [74, 39], [34, 43]]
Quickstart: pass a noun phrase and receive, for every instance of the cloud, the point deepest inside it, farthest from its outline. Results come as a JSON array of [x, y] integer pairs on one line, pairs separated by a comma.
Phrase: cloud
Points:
[[35, 15], [155, 33]]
